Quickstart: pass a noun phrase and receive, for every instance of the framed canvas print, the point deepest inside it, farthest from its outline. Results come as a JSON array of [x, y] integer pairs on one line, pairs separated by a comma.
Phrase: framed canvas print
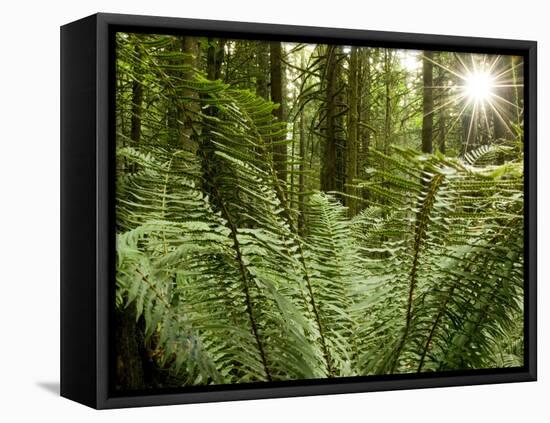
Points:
[[255, 211]]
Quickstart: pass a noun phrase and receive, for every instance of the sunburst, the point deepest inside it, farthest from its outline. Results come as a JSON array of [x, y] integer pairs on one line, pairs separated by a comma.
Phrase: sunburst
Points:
[[479, 86], [474, 89]]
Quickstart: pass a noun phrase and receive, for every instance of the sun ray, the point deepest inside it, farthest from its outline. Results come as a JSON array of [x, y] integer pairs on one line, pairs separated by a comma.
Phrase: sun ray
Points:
[[470, 127], [507, 85], [455, 121], [442, 67], [456, 98], [478, 86], [485, 117], [495, 61], [457, 56], [445, 87], [474, 88], [501, 118], [505, 101], [510, 69]]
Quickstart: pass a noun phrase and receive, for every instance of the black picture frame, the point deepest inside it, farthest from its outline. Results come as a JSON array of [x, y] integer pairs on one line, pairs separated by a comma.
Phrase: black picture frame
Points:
[[87, 211]]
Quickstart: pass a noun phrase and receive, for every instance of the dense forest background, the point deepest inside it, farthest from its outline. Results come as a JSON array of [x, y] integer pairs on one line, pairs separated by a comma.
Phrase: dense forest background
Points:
[[292, 211]]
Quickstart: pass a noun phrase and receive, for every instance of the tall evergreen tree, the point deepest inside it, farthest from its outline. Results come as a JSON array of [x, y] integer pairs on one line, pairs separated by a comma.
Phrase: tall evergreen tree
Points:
[[427, 102], [352, 131], [277, 90]]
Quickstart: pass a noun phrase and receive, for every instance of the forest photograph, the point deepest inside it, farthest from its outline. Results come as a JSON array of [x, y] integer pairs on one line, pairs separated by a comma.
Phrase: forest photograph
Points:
[[290, 211]]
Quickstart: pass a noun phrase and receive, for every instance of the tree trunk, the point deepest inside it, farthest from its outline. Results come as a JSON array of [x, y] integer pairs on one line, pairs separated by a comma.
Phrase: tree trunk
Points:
[[365, 111], [469, 131], [129, 363], [339, 126], [387, 112], [352, 133], [441, 115], [427, 103], [279, 150], [214, 59], [328, 160], [187, 112], [302, 176], [137, 100], [262, 64], [517, 75], [505, 114], [442, 134]]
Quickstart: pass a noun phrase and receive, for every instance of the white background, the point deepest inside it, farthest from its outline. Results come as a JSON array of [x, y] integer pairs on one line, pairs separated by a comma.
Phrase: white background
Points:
[[29, 221]]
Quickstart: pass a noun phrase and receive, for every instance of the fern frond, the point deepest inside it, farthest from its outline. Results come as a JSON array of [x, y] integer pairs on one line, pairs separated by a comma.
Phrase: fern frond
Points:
[[460, 238]]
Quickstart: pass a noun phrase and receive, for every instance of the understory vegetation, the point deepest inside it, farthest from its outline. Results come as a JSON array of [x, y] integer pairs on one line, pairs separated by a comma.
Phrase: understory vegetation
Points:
[[294, 211]]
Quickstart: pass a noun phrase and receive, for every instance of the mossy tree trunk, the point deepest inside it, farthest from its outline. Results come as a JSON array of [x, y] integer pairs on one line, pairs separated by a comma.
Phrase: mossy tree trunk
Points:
[[427, 102], [352, 133], [277, 96]]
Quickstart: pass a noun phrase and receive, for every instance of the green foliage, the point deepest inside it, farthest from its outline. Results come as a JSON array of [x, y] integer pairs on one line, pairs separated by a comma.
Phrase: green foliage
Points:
[[428, 277], [447, 258]]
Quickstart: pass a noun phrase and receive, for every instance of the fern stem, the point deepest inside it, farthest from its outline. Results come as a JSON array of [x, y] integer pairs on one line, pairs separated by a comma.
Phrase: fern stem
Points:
[[440, 312], [481, 315], [164, 192], [434, 326], [152, 287], [326, 353], [280, 193], [450, 292], [420, 234], [288, 215], [211, 187], [246, 281]]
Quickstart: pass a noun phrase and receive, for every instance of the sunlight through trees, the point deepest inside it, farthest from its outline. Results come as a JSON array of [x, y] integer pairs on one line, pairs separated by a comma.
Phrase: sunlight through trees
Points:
[[292, 211]]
